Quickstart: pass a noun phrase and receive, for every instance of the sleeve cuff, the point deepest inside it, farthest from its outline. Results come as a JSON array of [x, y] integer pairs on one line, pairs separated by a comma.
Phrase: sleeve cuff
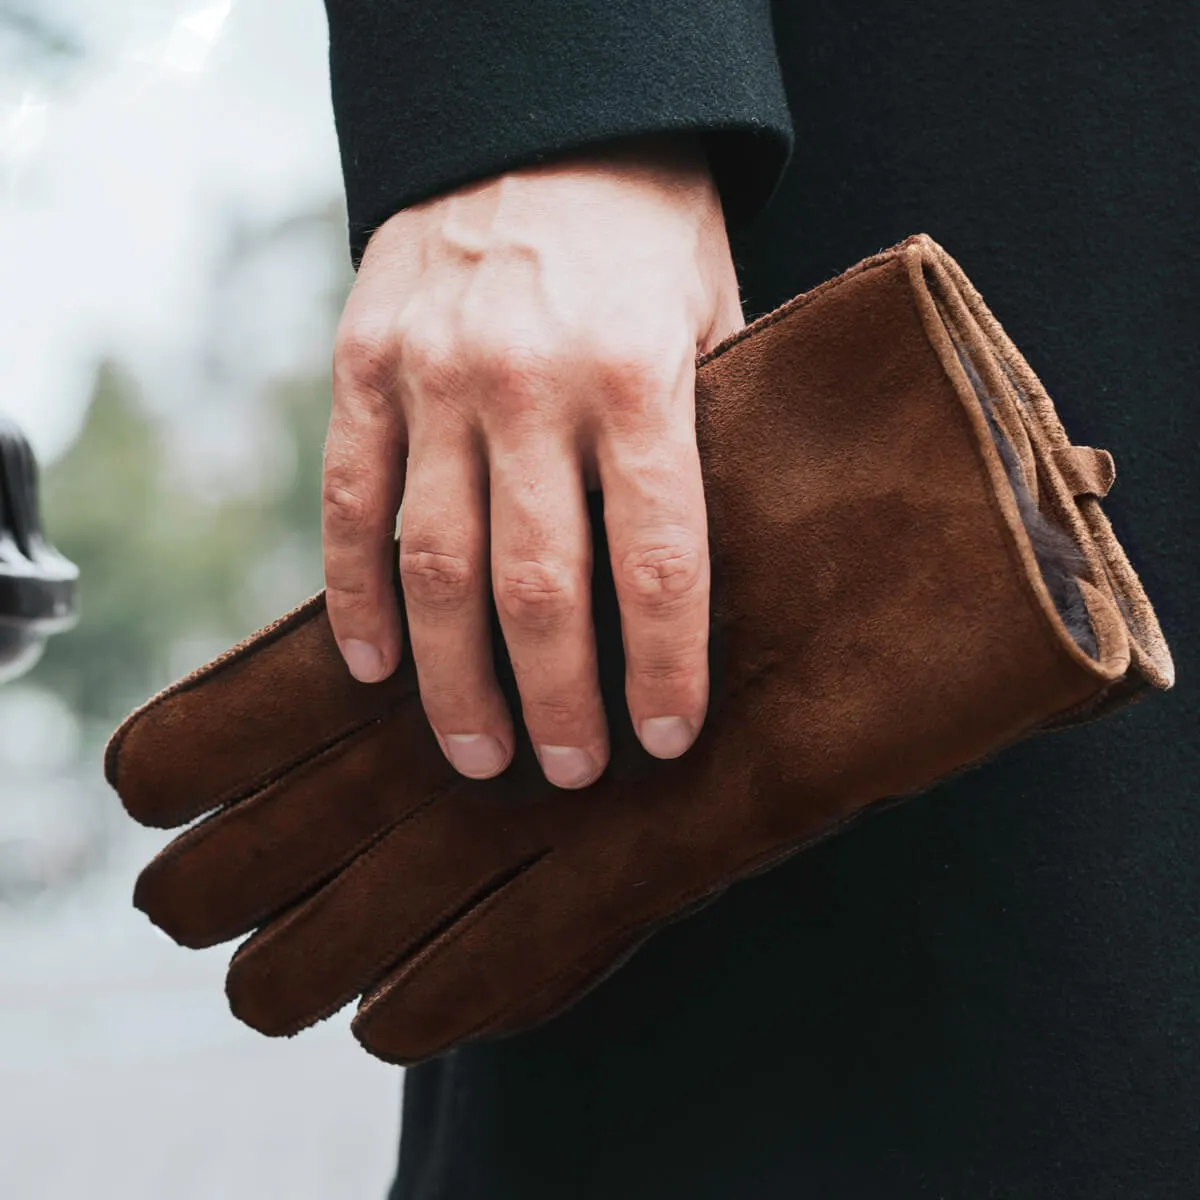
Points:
[[430, 97]]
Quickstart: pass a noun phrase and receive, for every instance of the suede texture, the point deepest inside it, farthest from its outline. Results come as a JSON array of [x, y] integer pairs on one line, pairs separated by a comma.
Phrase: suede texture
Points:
[[879, 622]]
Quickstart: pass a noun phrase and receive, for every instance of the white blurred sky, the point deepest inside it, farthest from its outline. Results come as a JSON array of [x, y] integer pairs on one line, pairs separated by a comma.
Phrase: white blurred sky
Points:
[[126, 170], [147, 178]]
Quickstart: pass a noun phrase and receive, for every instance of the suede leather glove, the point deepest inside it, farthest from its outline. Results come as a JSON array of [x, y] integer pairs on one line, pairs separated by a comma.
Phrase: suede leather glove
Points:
[[911, 570]]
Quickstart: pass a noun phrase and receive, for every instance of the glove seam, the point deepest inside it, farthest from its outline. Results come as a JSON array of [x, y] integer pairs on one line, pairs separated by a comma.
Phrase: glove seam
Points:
[[746, 869], [458, 913], [256, 641]]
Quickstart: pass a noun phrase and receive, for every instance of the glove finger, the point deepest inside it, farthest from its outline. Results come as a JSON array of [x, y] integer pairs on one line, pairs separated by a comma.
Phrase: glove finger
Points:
[[270, 703], [443, 859], [482, 969], [550, 934], [224, 876], [565, 988]]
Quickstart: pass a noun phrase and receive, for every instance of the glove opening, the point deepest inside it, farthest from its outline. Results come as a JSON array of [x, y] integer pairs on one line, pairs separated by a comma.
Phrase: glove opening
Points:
[[1059, 559]]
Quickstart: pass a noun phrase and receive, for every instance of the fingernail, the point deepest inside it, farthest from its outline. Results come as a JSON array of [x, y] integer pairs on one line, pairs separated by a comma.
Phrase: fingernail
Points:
[[666, 737], [566, 766], [474, 754], [364, 661]]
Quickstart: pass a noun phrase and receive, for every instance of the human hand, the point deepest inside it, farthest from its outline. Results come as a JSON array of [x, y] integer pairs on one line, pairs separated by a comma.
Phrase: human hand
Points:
[[505, 348]]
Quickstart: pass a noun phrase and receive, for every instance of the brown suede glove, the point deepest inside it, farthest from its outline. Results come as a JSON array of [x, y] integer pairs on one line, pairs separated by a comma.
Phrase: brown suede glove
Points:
[[911, 570]]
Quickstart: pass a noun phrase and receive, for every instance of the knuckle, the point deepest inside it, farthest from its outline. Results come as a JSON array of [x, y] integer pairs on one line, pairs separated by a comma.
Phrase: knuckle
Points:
[[350, 510], [364, 356], [556, 718], [434, 579], [349, 600], [536, 595], [661, 576], [517, 362], [522, 357], [434, 361], [634, 379], [633, 371], [678, 674]]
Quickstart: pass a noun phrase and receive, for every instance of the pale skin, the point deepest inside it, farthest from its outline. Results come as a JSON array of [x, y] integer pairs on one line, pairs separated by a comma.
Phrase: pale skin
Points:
[[506, 348]]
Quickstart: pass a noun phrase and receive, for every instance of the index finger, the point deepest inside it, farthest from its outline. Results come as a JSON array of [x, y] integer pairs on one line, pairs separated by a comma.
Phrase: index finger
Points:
[[360, 497]]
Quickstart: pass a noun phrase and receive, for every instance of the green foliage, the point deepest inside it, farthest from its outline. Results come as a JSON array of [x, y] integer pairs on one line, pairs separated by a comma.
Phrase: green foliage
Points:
[[161, 567]]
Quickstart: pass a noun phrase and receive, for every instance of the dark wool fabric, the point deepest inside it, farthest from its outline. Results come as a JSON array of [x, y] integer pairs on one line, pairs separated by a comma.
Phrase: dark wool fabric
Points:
[[430, 96], [993, 990]]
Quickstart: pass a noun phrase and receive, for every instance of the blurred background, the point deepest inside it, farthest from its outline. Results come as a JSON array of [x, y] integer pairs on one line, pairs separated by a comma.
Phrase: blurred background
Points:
[[172, 265]]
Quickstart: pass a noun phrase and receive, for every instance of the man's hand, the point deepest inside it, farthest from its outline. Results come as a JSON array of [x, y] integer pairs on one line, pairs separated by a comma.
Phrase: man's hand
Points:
[[505, 348]]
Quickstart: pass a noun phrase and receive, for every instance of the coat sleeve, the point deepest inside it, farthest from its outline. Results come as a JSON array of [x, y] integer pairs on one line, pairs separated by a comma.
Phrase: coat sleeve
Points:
[[429, 95]]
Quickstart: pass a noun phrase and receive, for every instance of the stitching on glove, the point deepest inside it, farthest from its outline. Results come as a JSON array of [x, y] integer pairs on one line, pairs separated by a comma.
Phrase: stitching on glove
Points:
[[760, 862], [615, 944], [1007, 535], [446, 922], [801, 301], [299, 615], [264, 779], [186, 842], [363, 847]]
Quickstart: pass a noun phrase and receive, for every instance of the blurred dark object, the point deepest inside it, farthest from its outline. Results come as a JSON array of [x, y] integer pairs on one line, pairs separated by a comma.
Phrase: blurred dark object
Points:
[[38, 586]]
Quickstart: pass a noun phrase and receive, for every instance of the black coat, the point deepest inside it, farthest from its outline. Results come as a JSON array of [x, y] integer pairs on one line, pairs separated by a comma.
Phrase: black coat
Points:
[[993, 990]]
